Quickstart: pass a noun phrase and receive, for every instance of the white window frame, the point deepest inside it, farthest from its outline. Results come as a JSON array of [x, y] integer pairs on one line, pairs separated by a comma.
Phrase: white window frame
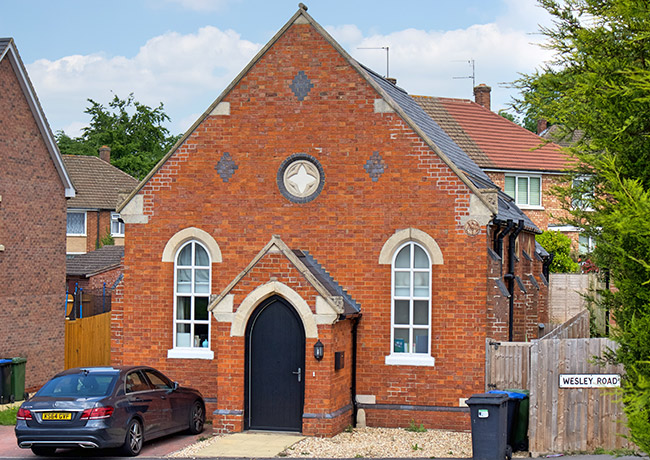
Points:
[[591, 244], [410, 358], [527, 177], [115, 218], [579, 204], [192, 352], [85, 223]]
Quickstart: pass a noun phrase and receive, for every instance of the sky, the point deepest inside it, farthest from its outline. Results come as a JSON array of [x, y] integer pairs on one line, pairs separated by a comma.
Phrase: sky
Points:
[[184, 53]]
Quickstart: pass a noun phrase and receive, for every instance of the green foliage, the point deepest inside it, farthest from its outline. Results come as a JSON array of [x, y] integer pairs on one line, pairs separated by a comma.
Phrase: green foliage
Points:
[[525, 122], [415, 428], [8, 416], [134, 132], [107, 239], [560, 245], [598, 86]]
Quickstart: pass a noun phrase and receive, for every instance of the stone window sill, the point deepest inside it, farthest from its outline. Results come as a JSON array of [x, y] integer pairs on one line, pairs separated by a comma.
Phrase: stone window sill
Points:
[[190, 353], [409, 359]]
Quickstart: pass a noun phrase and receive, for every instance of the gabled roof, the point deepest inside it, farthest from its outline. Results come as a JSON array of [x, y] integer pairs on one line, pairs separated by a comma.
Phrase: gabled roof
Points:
[[492, 141], [98, 183], [397, 99], [94, 262], [314, 274], [8, 51]]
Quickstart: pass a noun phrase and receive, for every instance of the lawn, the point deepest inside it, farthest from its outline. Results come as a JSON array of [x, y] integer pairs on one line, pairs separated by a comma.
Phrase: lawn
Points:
[[8, 416]]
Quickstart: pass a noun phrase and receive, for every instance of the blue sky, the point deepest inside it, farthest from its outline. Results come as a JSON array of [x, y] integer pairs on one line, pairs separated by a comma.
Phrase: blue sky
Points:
[[185, 52]]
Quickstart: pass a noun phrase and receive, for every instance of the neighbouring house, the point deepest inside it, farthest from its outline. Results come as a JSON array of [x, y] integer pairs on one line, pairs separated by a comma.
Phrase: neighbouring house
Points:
[[34, 186], [93, 275], [91, 213], [316, 245], [520, 162]]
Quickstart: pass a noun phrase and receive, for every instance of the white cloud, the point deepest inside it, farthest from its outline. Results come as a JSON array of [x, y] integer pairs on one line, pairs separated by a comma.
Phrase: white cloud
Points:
[[182, 71], [427, 62]]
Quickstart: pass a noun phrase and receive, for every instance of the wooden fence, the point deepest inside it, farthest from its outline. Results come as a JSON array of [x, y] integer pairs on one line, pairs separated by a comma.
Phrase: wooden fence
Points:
[[560, 419], [573, 419], [576, 328], [88, 341]]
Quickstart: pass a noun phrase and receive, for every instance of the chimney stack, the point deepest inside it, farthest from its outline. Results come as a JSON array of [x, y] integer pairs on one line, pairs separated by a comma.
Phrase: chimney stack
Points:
[[541, 126], [105, 153], [482, 95]]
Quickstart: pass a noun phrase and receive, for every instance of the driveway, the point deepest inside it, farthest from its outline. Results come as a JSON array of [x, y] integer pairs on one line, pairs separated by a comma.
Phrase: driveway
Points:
[[157, 448]]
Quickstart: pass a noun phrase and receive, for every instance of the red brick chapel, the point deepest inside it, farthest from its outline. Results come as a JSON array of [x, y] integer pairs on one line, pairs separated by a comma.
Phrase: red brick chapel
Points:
[[316, 245]]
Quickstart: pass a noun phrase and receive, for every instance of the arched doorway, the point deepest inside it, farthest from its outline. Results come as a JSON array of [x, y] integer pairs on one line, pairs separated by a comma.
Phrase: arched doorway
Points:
[[275, 367]]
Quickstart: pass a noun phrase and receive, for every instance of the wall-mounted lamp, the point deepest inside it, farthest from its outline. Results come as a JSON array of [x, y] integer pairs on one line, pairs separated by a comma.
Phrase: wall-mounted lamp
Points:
[[318, 350]]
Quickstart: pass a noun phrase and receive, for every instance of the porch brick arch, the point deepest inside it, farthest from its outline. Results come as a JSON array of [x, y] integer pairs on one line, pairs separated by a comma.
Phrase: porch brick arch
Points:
[[191, 233], [410, 234], [252, 300]]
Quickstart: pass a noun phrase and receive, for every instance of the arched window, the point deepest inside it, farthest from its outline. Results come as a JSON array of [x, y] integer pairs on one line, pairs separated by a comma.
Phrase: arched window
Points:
[[192, 281], [411, 303]]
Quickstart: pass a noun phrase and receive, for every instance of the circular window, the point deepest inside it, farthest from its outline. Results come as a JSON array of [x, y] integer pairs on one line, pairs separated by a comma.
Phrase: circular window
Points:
[[300, 178]]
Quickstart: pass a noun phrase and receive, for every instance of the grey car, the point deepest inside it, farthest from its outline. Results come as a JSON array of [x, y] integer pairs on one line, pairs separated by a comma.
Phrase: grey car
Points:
[[104, 407]]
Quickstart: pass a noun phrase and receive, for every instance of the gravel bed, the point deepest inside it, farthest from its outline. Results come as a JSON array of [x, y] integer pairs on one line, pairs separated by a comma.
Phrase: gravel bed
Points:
[[385, 442]]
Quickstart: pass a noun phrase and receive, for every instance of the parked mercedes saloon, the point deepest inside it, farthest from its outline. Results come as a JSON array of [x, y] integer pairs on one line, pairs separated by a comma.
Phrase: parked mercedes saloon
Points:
[[102, 407]]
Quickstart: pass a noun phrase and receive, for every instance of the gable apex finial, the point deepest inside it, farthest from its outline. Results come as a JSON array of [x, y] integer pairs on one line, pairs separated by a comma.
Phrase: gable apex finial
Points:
[[302, 6]]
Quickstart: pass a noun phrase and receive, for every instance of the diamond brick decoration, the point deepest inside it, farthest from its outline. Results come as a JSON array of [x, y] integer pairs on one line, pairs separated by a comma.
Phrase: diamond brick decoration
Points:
[[301, 85], [226, 167], [375, 166]]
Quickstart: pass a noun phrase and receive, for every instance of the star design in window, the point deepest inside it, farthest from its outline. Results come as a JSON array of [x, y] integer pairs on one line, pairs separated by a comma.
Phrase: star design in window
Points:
[[301, 178]]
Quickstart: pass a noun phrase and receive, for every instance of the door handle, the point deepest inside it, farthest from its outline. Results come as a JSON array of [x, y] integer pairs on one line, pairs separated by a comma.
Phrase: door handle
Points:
[[299, 374]]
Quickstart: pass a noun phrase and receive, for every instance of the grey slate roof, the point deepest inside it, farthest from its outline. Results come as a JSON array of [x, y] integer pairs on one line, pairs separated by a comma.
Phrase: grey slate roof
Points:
[[431, 129], [98, 183], [4, 43], [94, 262], [350, 306]]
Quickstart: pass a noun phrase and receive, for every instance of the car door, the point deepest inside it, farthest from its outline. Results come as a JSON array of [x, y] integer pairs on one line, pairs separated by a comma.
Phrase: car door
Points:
[[144, 401], [162, 389]]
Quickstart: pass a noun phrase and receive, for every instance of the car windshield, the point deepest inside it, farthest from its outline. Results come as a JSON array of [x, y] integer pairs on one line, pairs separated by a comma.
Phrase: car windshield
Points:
[[83, 385]]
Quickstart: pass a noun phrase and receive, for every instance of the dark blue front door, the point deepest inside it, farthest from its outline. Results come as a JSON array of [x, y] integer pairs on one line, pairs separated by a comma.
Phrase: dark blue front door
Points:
[[275, 364]]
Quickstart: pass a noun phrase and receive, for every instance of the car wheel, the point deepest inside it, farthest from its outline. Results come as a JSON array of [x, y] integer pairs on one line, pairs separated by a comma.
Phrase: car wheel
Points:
[[43, 451], [197, 418], [134, 439]]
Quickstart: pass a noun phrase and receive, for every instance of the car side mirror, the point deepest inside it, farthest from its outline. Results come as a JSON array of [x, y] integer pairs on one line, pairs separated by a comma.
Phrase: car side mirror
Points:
[[175, 386]]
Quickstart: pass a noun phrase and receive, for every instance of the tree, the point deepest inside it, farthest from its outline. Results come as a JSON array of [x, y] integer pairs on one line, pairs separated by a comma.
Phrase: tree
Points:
[[599, 84], [560, 246], [134, 132]]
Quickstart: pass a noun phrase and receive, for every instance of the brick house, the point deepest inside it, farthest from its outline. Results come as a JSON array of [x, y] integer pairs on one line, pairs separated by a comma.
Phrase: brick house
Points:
[[315, 245], [34, 185], [521, 163], [91, 213]]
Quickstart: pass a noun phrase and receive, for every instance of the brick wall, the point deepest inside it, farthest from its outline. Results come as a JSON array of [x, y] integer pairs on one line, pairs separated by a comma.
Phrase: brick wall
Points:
[[344, 228], [32, 229]]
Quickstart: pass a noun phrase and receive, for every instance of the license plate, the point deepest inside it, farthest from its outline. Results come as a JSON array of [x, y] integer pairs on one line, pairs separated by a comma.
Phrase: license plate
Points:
[[57, 415]]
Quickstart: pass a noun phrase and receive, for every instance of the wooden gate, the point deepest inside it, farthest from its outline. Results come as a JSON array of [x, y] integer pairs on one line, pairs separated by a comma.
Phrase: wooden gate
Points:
[[573, 419], [88, 341], [561, 419]]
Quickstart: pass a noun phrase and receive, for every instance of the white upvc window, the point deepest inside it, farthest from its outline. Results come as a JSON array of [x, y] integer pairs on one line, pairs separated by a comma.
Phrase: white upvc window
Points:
[[582, 183], [586, 244], [525, 190], [117, 225], [76, 225], [192, 281], [411, 307]]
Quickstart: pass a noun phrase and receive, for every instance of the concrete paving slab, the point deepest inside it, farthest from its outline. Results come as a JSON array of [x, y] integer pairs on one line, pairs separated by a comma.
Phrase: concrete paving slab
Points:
[[250, 444]]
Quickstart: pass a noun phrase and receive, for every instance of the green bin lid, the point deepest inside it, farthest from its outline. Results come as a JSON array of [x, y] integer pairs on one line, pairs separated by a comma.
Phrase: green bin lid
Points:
[[18, 360]]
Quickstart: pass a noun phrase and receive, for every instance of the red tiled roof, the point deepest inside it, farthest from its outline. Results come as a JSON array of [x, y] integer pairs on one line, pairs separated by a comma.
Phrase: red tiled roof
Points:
[[491, 140]]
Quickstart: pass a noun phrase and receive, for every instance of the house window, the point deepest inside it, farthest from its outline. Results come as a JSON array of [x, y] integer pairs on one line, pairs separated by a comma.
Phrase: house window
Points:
[[585, 188], [191, 297], [117, 226], [586, 244], [525, 190], [411, 294], [76, 224]]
